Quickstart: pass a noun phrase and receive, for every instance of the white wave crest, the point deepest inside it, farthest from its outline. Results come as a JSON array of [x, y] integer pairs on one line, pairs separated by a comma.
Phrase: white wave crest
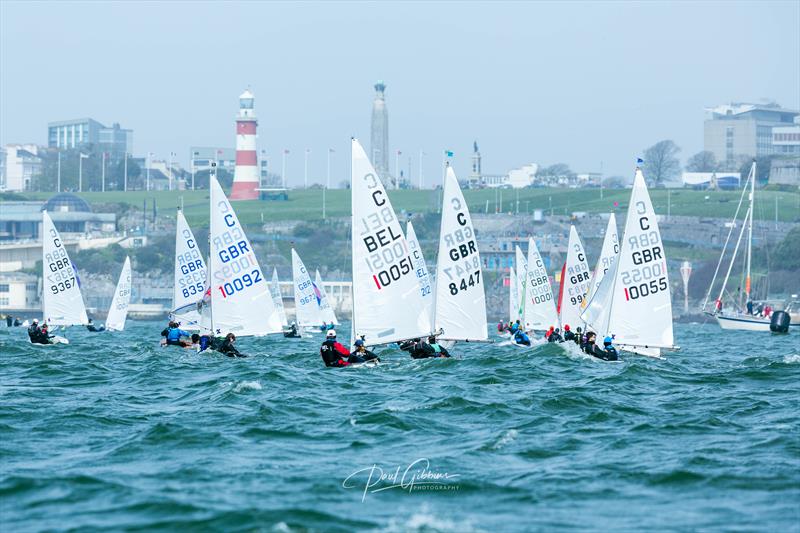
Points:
[[247, 385], [794, 358], [506, 438]]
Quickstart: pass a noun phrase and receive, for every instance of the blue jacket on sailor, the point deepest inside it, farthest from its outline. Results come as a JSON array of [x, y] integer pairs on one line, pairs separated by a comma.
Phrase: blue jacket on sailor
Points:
[[175, 334]]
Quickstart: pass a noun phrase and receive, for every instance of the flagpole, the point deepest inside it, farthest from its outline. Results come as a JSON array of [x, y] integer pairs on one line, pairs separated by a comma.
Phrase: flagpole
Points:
[[58, 186], [103, 182], [283, 168], [80, 172], [421, 155], [125, 175], [328, 179]]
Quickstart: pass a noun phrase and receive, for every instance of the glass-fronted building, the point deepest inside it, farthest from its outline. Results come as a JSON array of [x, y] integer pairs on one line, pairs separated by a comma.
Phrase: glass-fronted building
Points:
[[90, 135]]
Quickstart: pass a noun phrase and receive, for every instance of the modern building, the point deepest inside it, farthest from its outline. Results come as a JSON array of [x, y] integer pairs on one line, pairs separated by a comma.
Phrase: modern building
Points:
[[379, 134], [21, 162], [245, 176], [88, 134], [737, 131], [475, 177], [201, 158], [786, 140]]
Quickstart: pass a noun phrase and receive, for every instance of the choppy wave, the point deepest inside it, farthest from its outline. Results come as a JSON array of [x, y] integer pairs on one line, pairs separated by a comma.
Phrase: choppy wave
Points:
[[114, 432]]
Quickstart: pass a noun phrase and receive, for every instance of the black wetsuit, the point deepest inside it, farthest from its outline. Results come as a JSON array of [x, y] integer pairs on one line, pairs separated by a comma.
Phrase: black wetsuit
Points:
[[291, 333], [9, 321], [555, 337], [93, 329], [569, 336], [362, 357], [424, 350], [608, 354], [227, 348], [37, 336], [333, 353]]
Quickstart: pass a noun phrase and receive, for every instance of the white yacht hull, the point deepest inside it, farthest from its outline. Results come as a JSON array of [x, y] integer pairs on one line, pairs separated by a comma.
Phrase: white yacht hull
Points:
[[743, 323]]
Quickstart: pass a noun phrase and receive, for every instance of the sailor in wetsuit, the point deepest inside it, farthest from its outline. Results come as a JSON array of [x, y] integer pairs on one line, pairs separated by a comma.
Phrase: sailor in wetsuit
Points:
[[38, 335], [568, 335], [332, 352], [608, 353], [94, 329], [423, 350], [227, 347], [555, 336], [291, 332], [522, 338], [361, 354], [173, 333]]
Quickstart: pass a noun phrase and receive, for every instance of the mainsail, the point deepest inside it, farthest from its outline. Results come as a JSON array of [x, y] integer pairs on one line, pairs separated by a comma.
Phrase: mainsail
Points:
[[277, 299], [118, 312], [460, 306], [387, 299], [540, 307], [306, 300], [240, 299], [62, 303], [522, 281], [574, 281], [608, 255], [190, 275], [513, 295], [328, 315], [421, 269], [633, 301]]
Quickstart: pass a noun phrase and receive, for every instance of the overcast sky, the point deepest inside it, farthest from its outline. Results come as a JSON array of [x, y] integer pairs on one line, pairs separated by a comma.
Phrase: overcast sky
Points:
[[567, 82]]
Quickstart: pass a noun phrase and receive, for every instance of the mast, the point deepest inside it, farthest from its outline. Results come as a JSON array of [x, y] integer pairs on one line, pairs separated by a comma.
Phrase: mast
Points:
[[750, 230]]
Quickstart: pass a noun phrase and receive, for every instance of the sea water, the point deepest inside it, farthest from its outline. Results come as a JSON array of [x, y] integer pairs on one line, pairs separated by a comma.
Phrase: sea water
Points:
[[114, 432]]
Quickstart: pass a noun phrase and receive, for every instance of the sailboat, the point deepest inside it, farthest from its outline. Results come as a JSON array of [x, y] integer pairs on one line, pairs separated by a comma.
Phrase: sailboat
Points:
[[62, 303], [277, 298], [608, 254], [574, 281], [421, 269], [118, 312], [540, 306], [460, 303], [733, 316], [522, 282], [239, 300], [513, 295], [306, 302], [388, 305], [325, 309], [190, 276], [633, 301]]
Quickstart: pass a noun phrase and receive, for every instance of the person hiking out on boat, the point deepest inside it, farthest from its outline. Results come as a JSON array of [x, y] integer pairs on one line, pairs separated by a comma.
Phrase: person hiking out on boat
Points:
[[9, 321], [438, 349], [173, 333], [361, 354], [522, 338], [578, 336], [568, 335], [500, 327], [38, 335], [587, 345], [94, 329], [749, 307], [548, 333], [608, 352], [324, 327], [227, 347], [333, 353], [514, 327], [555, 336]]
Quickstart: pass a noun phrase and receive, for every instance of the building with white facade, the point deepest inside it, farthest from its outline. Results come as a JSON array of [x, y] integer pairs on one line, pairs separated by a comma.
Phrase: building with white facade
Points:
[[21, 162], [18, 291], [89, 134]]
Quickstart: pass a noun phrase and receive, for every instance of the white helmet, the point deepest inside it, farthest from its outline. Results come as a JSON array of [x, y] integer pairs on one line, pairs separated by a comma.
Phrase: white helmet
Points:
[[331, 334]]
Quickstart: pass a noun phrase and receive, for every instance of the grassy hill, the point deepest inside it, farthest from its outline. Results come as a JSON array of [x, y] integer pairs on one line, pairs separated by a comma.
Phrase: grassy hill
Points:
[[307, 204]]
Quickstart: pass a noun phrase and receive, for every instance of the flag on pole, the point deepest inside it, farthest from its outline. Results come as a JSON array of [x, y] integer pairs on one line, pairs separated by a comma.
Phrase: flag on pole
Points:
[[639, 160], [448, 153], [84, 156], [331, 150], [285, 150]]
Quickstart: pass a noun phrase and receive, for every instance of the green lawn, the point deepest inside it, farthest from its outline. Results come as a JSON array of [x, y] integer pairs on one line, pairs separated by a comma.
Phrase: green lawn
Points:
[[307, 204]]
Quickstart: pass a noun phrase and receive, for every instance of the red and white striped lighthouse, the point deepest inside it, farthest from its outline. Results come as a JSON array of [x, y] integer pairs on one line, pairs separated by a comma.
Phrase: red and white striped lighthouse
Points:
[[245, 176]]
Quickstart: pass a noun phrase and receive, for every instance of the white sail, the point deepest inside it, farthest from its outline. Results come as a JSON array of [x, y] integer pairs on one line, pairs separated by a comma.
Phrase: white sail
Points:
[[513, 295], [118, 312], [522, 281], [540, 306], [240, 299], [574, 281], [460, 308], [421, 269], [277, 299], [62, 303], [387, 300], [608, 255], [640, 306], [306, 300], [190, 275], [328, 315], [597, 313]]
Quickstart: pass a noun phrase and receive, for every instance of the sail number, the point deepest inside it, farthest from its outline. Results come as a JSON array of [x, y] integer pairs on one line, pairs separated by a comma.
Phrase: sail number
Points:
[[473, 280], [240, 283]]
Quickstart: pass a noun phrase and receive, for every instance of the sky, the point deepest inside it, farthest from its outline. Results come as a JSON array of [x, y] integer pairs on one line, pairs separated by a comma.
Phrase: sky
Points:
[[588, 84]]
